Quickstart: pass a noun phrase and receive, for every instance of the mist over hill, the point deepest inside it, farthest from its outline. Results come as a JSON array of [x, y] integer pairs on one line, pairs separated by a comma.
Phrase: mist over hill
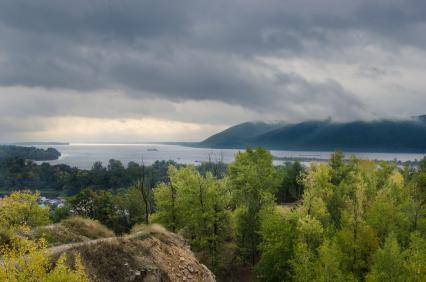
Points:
[[378, 136]]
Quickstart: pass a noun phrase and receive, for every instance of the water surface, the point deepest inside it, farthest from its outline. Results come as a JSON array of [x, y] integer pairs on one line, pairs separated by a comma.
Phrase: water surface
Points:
[[84, 155]]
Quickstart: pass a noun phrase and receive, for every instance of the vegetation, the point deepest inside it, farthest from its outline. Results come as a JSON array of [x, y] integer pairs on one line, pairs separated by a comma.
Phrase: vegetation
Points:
[[16, 174], [28, 153], [71, 230], [22, 259], [358, 221], [26, 262], [345, 220], [195, 205], [118, 212]]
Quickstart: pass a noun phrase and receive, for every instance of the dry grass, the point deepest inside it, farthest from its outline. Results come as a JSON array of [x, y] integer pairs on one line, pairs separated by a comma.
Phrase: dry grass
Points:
[[57, 234], [89, 228], [72, 230]]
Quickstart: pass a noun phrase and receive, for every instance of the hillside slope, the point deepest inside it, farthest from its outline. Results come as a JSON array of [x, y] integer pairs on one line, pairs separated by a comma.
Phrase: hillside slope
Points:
[[377, 136], [240, 135], [150, 255]]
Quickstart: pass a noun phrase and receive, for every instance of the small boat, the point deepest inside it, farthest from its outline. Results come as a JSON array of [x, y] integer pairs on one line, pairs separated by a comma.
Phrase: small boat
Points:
[[152, 149]]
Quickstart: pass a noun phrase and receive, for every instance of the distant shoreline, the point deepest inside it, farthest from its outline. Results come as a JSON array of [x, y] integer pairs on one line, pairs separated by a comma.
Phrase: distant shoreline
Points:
[[41, 143]]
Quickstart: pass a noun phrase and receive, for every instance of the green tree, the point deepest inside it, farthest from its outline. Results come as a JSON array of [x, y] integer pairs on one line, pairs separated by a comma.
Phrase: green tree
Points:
[[338, 167], [21, 208], [417, 189], [196, 206], [119, 211], [330, 263], [415, 259], [253, 181], [278, 234], [303, 263], [167, 212], [291, 188], [388, 263]]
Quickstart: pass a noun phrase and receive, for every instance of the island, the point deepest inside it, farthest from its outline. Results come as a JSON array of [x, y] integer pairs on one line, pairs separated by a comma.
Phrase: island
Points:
[[28, 153]]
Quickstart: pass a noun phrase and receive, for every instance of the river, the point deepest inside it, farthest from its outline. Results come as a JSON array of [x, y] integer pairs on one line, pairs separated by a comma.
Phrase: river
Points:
[[84, 155]]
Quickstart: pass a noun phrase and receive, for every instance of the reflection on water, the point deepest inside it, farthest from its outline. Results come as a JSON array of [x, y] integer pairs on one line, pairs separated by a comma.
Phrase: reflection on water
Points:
[[84, 155]]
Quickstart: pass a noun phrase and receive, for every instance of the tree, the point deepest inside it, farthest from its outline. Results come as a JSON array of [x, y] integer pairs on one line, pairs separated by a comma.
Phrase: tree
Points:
[[415, 258], [386, 211], [145, 192], [111, 210], [278, 234], [166, 208], [422, 165], [417, 189], [253, 181], [21, 208], [338, 167], [303, 263], [291, 189], [330, 263], [388, 262], [129, 208], [196, 206]]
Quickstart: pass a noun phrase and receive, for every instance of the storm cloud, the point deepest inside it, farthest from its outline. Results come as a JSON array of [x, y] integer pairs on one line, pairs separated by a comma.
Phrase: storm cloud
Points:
[[214, 63]]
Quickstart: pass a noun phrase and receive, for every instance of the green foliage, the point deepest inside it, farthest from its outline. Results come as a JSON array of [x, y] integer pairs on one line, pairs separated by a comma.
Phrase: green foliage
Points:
[[415, 262], [329, 266], [422, 165], [21, 208], [195, 205], [354, 220], [303, 263], [27, 261], [359, 220], [388, 262], [291, 189], [118, 212], [253, 181], [278, 237], [18, 173]]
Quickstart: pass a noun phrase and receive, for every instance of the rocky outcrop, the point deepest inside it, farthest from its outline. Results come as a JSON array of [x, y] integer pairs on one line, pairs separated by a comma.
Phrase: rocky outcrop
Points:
[[150, 255]]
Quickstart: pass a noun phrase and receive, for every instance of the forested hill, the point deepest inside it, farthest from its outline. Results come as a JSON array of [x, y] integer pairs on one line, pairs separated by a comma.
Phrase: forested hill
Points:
[[30, 153], [377, 136]]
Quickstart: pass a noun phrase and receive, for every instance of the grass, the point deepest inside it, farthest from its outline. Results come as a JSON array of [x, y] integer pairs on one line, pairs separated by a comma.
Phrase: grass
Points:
[[72, 230], [89, 228]]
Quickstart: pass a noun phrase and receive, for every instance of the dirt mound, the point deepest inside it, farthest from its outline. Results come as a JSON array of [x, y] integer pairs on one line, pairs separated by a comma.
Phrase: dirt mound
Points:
[[151, 254]]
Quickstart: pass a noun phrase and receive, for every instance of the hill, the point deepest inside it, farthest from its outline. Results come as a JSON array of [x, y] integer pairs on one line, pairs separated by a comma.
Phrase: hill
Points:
[[240, 135], [373, 136], [149, 253]]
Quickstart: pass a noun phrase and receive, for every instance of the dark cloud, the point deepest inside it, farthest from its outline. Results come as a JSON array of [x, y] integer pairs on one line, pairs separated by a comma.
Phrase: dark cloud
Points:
[[180, 51]]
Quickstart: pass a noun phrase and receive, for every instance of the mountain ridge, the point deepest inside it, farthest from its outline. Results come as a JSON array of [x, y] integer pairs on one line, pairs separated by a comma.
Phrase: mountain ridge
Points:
[[384, 135]]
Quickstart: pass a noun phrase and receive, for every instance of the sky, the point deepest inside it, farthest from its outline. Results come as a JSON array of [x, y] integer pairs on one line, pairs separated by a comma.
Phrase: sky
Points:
[[151, 70]]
